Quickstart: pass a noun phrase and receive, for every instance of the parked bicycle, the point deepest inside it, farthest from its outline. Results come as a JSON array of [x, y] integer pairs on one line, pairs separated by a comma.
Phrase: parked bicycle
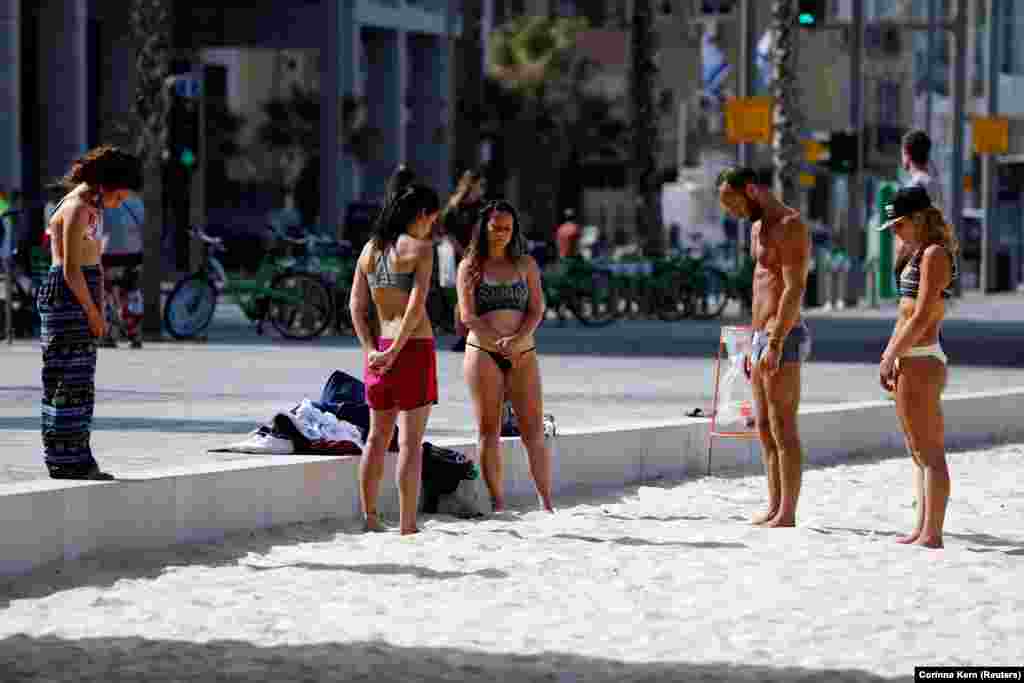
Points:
[[297, 304], [588, 291]]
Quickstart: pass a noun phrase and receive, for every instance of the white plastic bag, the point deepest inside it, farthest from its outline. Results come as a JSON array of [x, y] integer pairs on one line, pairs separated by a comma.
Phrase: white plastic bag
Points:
[[446, 268]]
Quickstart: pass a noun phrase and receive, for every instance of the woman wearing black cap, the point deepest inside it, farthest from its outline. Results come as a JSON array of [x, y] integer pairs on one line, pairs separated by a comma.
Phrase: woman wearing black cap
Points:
[[914, 365]]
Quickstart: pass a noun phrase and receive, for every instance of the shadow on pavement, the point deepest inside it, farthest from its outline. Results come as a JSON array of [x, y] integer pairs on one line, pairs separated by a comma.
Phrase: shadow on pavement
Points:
[[23, 658]]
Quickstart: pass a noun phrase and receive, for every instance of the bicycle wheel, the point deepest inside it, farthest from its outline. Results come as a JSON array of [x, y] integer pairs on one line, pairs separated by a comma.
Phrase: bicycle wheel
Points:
[[711, 294], [597, 302], [189, 308], [300, 306], [674, 300]]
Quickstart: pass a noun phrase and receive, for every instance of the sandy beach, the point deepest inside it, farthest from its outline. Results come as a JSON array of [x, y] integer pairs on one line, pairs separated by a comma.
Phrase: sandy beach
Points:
[[661, 582]]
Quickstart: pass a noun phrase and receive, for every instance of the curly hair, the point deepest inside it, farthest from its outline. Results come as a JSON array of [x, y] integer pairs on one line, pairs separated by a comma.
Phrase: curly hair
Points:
[[105, 167], [479, 246], [932, 228], [935, 229]]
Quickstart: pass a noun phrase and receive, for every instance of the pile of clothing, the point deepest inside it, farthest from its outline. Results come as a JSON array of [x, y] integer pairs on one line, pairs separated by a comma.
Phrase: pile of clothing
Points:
[[337, 424]]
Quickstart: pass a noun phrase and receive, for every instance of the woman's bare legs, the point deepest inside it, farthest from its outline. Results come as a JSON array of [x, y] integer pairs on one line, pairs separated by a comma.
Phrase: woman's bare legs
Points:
[[371, 466], [528, 402], [901, 411], [487, 387], [919, 389], [412, 424]]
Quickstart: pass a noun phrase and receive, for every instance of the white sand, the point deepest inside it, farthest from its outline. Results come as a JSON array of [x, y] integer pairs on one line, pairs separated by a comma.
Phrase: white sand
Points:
[[666, 582]]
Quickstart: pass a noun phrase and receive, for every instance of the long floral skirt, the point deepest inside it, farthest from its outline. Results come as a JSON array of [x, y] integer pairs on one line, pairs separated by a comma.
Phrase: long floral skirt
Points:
[[69, 369]]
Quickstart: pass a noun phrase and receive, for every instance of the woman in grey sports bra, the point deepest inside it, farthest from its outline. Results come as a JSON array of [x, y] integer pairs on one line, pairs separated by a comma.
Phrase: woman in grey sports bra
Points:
[[502, 304], [401, 360], [913, 365]]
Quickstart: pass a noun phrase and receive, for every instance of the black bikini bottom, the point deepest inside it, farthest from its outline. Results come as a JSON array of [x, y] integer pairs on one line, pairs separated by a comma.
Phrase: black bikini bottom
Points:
[[504, 364]]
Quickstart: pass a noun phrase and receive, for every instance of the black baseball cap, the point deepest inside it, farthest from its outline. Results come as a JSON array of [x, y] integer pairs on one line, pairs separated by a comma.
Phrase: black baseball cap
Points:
[[906, 201]]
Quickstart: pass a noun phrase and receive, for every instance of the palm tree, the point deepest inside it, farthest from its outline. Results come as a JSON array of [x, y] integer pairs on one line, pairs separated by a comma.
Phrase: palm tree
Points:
[[643, 72], [151, 23], [549, 107], [785, 144]]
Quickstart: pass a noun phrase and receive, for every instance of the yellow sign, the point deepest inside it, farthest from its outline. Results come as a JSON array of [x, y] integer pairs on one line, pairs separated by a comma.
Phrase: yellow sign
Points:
[[808, 180], [814, 151], [749, 119], [991, 134]]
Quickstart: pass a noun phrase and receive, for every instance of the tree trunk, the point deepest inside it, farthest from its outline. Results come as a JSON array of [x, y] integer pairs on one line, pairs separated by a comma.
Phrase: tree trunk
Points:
[[643, 72], [785, 143], [469, 91], [151, 21]]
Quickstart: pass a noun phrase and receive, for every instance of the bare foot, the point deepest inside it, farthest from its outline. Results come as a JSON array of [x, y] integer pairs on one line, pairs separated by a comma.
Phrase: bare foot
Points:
[[908, 540], [929, 542], [409, 532], [373, 524], [761, 518], [497, 505], [779, 521]]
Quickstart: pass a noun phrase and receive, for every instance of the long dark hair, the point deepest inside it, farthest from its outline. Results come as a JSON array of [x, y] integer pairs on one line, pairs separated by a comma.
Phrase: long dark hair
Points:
[[105, 167], [479, 247], [401, 210]]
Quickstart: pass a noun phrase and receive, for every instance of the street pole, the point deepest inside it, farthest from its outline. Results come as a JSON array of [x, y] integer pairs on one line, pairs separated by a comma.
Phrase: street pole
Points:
[[989, 182], [956, 206], [744, 151], [855, 194], [929, 56]]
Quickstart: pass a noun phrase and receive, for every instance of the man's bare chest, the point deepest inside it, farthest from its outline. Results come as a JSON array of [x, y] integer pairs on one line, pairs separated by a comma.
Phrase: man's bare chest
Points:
[[766, 246]]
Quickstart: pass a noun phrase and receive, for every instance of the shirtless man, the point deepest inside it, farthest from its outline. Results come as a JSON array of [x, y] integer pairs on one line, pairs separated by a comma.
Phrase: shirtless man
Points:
[[781, 247]]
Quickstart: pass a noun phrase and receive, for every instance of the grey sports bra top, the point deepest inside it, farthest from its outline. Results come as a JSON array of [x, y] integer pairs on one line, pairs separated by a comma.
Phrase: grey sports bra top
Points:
[[501, 296], [383, 276]]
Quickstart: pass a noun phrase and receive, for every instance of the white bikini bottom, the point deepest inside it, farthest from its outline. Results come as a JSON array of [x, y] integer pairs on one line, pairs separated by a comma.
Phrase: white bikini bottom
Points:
[[930, 351]]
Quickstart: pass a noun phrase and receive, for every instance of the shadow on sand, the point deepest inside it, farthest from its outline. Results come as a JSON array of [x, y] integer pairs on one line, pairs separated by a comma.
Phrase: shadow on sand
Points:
[[111, 660]]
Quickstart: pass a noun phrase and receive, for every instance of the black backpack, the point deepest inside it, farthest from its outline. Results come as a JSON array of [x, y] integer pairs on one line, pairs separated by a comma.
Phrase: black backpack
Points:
[[443, 469]]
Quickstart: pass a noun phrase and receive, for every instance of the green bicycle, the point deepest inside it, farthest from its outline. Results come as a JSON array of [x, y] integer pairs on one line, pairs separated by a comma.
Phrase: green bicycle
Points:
[[297, 304]]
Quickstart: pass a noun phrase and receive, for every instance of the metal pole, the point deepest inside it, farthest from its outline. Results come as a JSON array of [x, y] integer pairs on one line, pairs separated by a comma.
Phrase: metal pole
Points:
[[989, 180], [8, 264], [929, 58], [956, 206], [855, 212], [197, 205], [744, 151]]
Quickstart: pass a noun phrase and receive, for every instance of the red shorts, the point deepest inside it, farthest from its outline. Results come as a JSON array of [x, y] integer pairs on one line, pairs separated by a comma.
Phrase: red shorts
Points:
[[410, 383]]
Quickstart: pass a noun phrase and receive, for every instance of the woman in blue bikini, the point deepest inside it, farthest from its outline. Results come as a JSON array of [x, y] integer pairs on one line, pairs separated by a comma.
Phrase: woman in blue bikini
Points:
[[502, 304]]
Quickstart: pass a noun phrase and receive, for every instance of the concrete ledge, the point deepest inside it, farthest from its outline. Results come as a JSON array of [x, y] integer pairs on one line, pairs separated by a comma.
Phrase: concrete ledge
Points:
[[49, 521]]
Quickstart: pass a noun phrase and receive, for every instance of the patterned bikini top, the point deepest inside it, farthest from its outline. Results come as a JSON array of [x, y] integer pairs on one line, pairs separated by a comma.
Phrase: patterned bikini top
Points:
[[384, 276], [502, 296], [95, 229], [908, 279]]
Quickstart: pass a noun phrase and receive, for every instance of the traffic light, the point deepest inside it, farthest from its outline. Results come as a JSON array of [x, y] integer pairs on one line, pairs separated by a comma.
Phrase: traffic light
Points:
[[842, 151], [810, 13], [182, 122]]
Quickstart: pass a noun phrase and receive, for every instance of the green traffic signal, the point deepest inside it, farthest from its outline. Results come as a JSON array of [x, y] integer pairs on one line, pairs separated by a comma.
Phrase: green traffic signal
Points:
[[188, 158], [806, 19]]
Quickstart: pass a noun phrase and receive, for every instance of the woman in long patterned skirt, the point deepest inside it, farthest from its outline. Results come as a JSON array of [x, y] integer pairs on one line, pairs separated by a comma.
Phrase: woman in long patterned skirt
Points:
[[69, 303]]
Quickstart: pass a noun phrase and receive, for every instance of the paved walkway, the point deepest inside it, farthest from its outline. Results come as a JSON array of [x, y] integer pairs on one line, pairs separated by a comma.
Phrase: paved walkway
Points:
[[165, 405], [666, 582]]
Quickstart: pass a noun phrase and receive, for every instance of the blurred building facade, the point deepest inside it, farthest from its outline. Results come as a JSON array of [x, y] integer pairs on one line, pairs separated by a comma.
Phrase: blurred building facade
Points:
[[67, 77]]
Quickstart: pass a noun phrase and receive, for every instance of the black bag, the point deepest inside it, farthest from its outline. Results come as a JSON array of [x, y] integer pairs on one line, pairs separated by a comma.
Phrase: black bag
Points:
[[443, 469]]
